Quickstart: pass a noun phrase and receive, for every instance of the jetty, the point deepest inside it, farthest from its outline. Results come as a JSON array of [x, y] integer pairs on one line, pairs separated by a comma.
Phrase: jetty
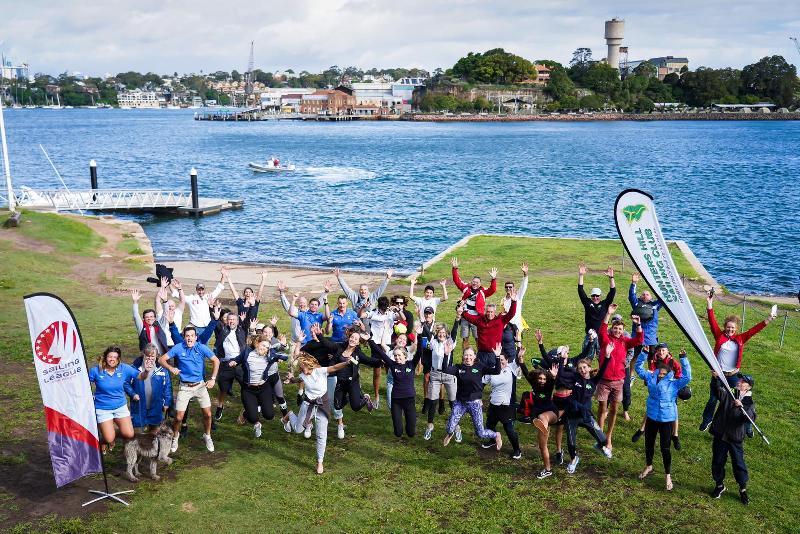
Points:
[[257, 114]]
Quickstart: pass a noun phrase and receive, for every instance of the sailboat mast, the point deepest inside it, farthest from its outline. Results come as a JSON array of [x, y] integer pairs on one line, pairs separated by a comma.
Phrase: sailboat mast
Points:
[[12, 201]]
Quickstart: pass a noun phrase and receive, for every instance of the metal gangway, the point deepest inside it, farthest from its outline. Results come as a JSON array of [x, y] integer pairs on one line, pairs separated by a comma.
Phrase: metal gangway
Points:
[[103, 199]]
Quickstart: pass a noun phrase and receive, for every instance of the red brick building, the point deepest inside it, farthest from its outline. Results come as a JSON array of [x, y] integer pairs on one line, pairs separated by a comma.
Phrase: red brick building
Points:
[[328, 102]]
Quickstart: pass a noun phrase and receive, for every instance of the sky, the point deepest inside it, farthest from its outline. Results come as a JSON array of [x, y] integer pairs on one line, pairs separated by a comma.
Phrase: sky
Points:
[[165, 36]]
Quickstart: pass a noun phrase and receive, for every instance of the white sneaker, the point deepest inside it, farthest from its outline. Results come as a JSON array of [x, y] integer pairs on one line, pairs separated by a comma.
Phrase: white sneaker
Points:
[[340, 432], [377, 402], [428, 433], [573, 465], [307, 432], [459, 435], [257, 430], [607, 452], [209, 442], [174, 446], [287, 426]]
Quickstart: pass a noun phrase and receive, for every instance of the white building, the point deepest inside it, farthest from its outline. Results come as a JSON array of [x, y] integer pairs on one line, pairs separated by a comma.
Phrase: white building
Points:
[[139, 99], [14, 72], [382, 98], [272, 97]]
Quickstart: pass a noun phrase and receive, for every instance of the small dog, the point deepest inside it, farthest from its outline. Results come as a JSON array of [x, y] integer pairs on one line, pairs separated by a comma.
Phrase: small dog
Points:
[[158, 451]]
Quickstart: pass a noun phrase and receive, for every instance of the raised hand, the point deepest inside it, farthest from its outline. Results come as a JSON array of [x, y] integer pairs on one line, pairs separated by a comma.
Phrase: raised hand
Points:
[[327, 285], [581, 268], [136, 295], [635, 278], [337, 272], [263, 276], [274, 320], [449, 345], [538, 334], [163, 295], [281, 285], [610, 272], [524, 268], [177, 284], [242, 316], [554, 370], [443, 282], [521, 355], [493, 272], [454, 262], [389, 273], [413, 280], [164, 281], [223, 272], [282, 339], [171, 315], [216, 311], [609, 349], [418, 328], [635, 319], [612, 308], [498, 350], [513, 294]]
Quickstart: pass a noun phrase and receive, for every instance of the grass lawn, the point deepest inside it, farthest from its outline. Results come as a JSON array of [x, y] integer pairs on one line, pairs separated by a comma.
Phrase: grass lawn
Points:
[[376, 482]]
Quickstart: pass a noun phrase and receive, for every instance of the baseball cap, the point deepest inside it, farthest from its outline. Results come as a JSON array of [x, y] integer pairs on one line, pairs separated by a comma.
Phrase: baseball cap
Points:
[[596, 291], [260, 326], [616, 317], [427, 309], [200, 285], [662, 346], [747, 378]]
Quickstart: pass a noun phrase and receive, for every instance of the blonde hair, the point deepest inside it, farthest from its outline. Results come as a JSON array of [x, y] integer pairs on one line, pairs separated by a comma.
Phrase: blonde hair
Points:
[[150, 350], [732, 319], [257, 339], [308, 361], [470, 350], [398, 351]]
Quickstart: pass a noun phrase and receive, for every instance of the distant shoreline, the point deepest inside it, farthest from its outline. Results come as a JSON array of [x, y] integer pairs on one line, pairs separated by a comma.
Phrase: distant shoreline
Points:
[[594, 117]]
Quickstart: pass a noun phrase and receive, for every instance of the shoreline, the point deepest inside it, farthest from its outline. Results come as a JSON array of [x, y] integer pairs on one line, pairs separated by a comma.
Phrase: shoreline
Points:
[[607, 117]]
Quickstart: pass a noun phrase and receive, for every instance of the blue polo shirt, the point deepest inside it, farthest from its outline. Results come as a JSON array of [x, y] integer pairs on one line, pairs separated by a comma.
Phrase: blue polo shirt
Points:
[[191, 360], [340, 322], [307, 318], [109, 389]]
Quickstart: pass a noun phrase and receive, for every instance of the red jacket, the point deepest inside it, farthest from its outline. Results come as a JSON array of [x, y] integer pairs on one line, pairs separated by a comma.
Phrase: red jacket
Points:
[[466, 291], [616, 369], [674, 364], [490, 333], [739, 339]]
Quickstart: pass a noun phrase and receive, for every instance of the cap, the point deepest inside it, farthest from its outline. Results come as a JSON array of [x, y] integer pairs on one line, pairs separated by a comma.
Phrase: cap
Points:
[[427, 309], [616, 317], [662, 346], [260, 326], [596, 291], [747, 378], [200, 286]]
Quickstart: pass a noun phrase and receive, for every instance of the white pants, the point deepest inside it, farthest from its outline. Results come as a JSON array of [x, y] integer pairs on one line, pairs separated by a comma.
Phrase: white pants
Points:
[[320, 421]]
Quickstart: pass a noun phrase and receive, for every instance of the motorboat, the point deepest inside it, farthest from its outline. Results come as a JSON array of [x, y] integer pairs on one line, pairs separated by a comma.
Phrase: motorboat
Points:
[[272, 165]]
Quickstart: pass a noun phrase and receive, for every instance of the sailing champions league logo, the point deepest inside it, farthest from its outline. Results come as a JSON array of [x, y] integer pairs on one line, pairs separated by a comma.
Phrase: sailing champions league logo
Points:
[[633, 213], [58, 342]]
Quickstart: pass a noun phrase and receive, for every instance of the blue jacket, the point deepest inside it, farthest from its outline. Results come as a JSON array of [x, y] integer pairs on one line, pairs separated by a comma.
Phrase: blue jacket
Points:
[[161, 397], [650, 327], [661, 405]]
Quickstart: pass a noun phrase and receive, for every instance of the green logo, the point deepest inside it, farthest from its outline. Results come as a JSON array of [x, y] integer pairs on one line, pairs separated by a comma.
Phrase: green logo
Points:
[[633, 213]]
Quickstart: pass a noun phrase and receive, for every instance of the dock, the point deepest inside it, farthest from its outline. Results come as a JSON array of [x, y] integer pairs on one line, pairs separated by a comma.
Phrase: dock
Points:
[[256, 114]]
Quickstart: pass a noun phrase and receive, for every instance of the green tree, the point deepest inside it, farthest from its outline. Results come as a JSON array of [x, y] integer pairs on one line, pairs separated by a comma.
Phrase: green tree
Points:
[[703, 87], [771, 77], [602, 78], [236, 76], [644, 104], [592, 102], [646, 69], [559, 85], [569, 103], [579, 64], [494, 66]]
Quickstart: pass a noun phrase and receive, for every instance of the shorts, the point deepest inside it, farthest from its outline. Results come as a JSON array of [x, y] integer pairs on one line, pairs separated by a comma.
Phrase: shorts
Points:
[[187, 393], [467, 328], [116, 413], [610, 390], [561, 403], [437, 380]]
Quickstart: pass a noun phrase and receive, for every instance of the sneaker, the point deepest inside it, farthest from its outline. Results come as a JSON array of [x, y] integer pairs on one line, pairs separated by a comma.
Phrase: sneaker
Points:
[[209, 442], [637, 436], [340, 431], [743, 497], [218, 412], [376, 403], [307, 432], [174, 446], [718, 491], [459, 435], [428, 434], [487, 444], [257, 430], [287, 426], [524, 420], [184, 430], [544, 473], [676, 442], [370, 405], [516, 455], [607, 452], [704, 426], [573, 465], [559, 458]]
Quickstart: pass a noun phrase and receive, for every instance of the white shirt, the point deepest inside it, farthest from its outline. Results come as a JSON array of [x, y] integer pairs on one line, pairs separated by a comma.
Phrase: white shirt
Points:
[[198, 307], [423, 303], [380, 325], [517, 319], [502, 384], [437, 354], [231, 346], [256, 364], [316, 383], [728, 356]]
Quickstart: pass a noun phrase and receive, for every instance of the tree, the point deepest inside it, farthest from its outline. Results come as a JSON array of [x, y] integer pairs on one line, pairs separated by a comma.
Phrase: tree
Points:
[[602, 78], [559, 85], [236, 76], [771, 77], [592, 102], [644, 104], [703, 87], [646, 69], [494, 66], [579, 64], [569, 103]]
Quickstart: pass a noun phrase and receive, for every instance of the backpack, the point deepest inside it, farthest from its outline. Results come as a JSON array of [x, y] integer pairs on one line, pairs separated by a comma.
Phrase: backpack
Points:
[[525, 408]]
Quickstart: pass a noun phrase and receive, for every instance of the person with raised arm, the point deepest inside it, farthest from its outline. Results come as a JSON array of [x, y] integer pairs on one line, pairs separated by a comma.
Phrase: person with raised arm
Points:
[[512, 333], [147, 327], [109, 378], [167, 310], [441, 354], [428, 298], [489, 327], [190, 359], [662, 411], [315, 407], [248, 303], [312, 315], [501, 404], [594, 306], [662, 358], [473, 300], [544, 413], [609, 389], [230, 346], [150, 396], [469, 391], [729, 349], [200, 303], [341, 319], [325, 351], [403, 391], [379, 323], [348, 379]]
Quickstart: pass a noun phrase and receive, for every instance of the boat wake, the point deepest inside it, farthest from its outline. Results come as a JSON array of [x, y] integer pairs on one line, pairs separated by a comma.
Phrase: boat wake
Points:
[[334, 175]]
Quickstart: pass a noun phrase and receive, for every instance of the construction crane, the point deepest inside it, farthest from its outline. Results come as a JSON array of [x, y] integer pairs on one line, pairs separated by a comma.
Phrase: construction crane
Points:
[[248, 76], [796, 44]]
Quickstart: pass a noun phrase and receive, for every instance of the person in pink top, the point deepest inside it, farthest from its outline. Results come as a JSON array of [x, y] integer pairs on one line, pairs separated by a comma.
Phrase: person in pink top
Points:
[[609, 389]]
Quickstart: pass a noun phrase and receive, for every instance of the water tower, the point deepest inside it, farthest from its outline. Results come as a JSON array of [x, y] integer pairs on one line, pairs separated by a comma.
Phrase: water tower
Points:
[[615, 30]]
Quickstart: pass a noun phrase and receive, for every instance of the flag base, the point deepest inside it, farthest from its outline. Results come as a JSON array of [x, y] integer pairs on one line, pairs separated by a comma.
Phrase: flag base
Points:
[[106, 495]]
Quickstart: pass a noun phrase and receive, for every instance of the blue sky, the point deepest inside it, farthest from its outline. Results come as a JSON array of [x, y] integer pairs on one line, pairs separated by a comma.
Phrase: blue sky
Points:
[[165, 36]]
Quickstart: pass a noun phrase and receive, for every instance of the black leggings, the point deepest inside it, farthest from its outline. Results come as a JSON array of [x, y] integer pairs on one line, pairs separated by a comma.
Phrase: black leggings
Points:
[[349, 389], [504, 415], [404, 407], [572, 432], [253, 397], [433, 404], [664, 431]]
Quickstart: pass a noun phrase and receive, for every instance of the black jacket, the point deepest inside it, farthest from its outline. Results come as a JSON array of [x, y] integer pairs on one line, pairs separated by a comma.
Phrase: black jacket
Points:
[[729, 422], [222, 331], [593, 314]]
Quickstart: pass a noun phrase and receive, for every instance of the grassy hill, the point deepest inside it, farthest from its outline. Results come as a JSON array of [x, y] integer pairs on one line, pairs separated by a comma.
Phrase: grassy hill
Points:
[[374, 481]]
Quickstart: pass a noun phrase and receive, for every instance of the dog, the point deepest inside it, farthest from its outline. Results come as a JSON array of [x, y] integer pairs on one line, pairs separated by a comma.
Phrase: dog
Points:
[[157, 451]]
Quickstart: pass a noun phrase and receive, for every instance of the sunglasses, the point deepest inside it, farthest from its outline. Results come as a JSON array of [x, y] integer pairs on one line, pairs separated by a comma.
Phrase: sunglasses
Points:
[[509, 287]]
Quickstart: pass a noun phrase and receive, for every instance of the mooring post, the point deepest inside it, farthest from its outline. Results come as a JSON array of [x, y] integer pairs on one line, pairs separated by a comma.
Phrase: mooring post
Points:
[[93, 178], [195, 196]]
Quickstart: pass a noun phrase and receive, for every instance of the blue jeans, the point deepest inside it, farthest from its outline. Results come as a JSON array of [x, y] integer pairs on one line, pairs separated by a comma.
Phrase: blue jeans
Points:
[[595, 346], [711, 405]]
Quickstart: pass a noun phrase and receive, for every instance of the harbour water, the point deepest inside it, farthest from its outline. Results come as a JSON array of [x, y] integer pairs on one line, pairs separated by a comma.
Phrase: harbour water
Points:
[[374, 195]]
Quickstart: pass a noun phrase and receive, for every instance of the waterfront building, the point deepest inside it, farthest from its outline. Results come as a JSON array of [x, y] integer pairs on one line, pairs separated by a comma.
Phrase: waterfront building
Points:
[[668, 65], [327, 102], [9, 71], [139, 99], [271, 98], [542, 74], [383, 98]]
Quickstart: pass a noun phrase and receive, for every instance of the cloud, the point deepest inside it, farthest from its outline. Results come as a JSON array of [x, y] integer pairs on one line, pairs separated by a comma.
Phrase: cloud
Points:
[[166, 36]]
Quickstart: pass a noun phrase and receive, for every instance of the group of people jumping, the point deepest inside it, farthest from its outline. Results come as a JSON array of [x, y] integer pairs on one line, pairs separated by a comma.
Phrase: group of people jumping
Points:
[[328, 340]]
